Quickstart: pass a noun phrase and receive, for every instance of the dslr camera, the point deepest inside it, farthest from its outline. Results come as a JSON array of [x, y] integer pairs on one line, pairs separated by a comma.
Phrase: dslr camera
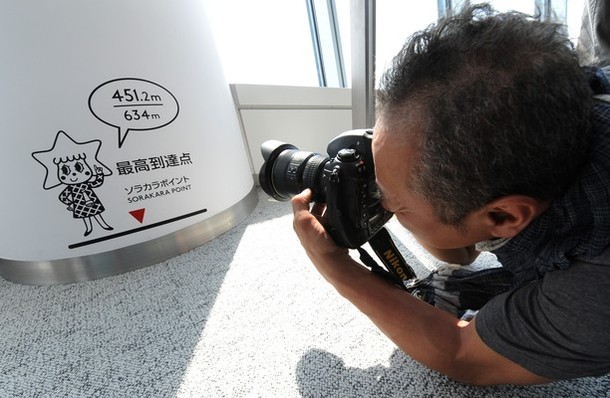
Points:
[[344, 181]]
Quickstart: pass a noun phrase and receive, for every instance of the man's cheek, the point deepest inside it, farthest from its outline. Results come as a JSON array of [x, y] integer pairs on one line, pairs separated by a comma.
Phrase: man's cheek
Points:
[[404, 221]]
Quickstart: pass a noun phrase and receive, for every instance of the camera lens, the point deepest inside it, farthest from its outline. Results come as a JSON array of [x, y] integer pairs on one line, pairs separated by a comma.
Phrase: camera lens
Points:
[[288, 171]]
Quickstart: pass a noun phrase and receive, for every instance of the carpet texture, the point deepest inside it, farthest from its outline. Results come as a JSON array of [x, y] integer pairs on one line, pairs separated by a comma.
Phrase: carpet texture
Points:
[[244, 315]]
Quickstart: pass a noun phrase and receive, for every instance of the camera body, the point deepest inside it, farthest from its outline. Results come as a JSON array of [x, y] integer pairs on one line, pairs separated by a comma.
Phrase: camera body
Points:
[[344, 181]]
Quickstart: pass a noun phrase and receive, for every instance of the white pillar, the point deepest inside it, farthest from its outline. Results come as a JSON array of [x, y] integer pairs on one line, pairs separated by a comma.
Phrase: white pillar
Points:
[[120, 142]]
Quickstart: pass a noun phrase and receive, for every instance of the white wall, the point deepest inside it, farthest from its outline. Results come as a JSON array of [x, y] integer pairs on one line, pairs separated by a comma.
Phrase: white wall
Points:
[[307, 117]]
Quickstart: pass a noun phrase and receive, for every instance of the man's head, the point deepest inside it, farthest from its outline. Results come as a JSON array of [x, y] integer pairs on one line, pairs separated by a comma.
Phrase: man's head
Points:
[[495, 105]]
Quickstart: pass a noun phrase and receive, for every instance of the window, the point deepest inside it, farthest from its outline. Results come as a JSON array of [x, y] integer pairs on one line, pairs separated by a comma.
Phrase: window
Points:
[[270, 41], [395, 22], [263, 41]]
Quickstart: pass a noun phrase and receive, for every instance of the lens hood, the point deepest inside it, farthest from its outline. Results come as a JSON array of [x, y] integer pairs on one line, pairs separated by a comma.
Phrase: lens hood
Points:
[[271, 150]]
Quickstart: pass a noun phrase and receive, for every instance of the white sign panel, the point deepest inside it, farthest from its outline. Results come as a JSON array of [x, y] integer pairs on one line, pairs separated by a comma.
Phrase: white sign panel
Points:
[[117, 126]]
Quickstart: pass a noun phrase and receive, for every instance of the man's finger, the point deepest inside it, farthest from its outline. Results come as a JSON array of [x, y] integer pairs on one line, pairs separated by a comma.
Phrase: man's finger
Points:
[[301, 201], [318, 209]]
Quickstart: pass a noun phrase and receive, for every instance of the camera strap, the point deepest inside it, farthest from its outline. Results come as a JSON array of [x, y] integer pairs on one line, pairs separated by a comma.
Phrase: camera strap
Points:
[[396, 268]]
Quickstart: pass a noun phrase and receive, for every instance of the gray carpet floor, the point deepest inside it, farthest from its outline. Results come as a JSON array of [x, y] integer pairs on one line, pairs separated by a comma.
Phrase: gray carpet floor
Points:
[[244, 315]]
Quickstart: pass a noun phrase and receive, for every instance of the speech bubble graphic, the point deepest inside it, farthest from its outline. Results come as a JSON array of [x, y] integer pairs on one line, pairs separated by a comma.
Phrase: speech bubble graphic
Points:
[[133, 104]]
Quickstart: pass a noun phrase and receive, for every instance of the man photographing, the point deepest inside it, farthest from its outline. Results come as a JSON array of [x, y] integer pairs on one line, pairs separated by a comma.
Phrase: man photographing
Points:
[[490, 136]]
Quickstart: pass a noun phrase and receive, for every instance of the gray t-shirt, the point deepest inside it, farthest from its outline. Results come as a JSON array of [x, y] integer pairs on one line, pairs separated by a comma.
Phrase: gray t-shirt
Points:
[[558, 326]]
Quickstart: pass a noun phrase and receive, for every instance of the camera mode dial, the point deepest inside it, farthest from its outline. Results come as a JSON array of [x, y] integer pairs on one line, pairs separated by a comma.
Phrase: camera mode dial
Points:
[[348, 155]]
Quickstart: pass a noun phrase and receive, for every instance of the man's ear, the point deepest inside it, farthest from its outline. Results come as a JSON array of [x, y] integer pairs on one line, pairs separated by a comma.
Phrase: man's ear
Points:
[[508, 215]]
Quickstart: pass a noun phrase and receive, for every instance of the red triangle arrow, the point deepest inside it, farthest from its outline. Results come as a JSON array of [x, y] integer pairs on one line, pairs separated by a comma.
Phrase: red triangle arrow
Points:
[[138, 214]]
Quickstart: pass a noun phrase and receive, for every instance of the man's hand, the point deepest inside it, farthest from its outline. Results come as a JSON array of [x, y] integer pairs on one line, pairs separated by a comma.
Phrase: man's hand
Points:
[[333, 262], [317, 242]]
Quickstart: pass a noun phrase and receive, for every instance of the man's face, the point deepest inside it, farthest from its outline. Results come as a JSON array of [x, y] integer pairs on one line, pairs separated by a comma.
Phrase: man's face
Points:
[[394, 159]]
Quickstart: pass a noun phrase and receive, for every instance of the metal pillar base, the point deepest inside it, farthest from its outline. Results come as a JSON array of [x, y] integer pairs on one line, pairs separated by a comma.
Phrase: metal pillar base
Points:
[[128, 258]]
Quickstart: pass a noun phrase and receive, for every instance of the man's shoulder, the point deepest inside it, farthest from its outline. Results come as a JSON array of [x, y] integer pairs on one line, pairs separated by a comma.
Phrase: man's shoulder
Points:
[[602, 259], [593, 272], [575, 301]]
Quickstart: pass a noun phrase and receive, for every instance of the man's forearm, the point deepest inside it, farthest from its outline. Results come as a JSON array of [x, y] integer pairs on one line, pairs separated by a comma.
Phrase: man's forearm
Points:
[[425, 333]]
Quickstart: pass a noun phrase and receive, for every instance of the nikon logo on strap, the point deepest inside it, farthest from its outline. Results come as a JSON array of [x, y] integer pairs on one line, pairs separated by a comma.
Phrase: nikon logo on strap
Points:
[[394, 263]]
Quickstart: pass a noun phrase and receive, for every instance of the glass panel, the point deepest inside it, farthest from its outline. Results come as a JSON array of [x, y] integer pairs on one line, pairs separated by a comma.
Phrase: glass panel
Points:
[[396, 21], [264, 41], [329, 40], [568, 12], [525, 6], [343, 17], [575, 9]]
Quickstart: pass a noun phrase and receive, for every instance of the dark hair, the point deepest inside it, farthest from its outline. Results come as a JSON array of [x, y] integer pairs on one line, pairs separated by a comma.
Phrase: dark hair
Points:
[[506, 109]]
